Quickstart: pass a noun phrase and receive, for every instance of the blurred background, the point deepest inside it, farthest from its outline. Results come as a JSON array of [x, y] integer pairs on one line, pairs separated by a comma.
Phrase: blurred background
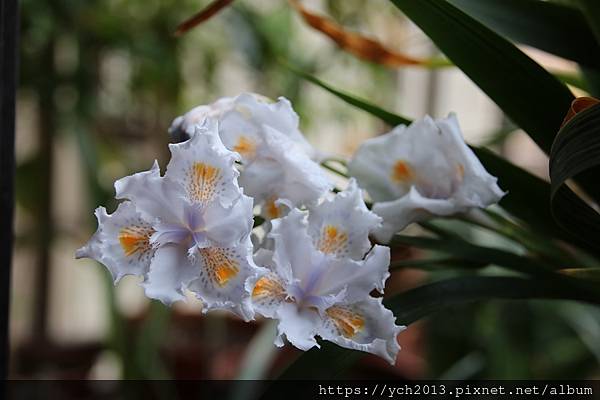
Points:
[[100, 83]]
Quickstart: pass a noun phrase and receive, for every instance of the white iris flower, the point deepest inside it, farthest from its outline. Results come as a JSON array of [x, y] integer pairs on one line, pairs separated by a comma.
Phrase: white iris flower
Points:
[[314, 289], [277, 160], [423, 170], [188, 229]]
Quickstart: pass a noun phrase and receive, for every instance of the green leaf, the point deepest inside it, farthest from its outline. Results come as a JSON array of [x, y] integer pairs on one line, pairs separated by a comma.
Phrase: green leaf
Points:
[[388, 117], [552, 27], [591, 11], [441, 263], [578, 79], [420, 302], [331, 361], [529, 95], [528, 196], [576, 155], [478, 254]]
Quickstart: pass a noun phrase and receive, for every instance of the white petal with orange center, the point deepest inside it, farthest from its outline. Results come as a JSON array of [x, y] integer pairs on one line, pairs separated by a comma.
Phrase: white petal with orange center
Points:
[[204, 167], [341, 225], [122, 242], [222, 275], [365, 325], [422, 170]]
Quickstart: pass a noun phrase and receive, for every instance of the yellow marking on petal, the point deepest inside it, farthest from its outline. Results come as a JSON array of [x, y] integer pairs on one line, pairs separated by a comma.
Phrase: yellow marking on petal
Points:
[[221, 268], [245, 146], [203, 181], [267, 286], [271, 209], [402, 172], [135, 238], [348, 322], [332, 239]]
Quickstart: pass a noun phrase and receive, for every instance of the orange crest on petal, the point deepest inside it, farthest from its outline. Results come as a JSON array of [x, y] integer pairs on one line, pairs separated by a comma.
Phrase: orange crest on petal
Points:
[[202, 183], [332, 239], [267, 287], [402, 172], [245, 146], [134, 239], [347, 321], [221, 267]]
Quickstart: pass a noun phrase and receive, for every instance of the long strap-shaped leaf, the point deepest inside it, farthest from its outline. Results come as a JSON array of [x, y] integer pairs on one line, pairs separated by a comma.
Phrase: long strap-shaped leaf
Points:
[[533, 98], [417, 303], [552, 27], [528, 198], [331, 361], [591, 10], [575, 152], [476, 253], [386, 116]]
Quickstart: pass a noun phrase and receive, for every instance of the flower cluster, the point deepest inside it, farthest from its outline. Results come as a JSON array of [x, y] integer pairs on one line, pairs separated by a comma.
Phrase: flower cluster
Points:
[[189, 229], [315, 269], [278, 161]]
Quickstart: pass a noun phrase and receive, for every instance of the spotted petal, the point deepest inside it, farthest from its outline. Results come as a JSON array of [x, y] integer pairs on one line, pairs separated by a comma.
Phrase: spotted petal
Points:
[[277, 160], [267, 288], [341, 226], [222, 274], [365, 325], [121, 243], [204, 167]]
